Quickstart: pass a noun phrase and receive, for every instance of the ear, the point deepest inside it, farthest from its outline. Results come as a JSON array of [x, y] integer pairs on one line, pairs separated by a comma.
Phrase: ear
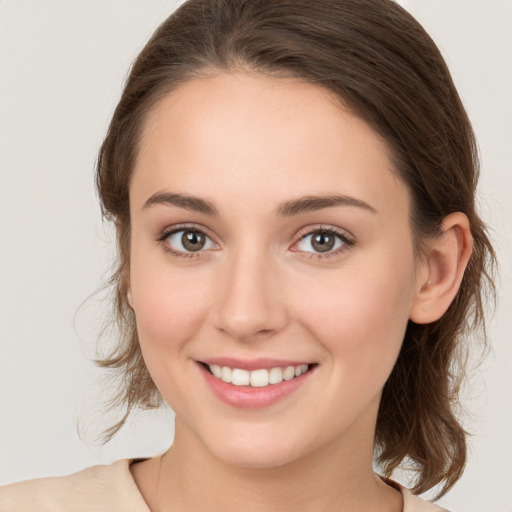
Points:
[[129, 298], [125, 275], [441, 273]]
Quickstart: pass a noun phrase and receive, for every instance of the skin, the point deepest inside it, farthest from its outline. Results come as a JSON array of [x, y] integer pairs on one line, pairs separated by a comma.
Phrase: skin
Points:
[[247, 144]]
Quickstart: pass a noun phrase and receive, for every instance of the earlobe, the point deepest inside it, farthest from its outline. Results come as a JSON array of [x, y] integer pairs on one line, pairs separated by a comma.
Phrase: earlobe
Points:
[[125, 272], [443, 269], [126, 278]]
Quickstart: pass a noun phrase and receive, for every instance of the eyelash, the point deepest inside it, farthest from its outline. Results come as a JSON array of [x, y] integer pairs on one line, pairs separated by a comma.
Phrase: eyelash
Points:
[[176, 229], [347, 242]]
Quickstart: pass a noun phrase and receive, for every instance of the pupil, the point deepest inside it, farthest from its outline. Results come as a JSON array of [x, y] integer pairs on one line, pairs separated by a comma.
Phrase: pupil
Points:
[[323, 242], [193, 240]]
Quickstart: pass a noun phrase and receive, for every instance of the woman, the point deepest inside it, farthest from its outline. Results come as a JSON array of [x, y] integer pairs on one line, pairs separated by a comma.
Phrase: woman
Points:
[[292, 184]]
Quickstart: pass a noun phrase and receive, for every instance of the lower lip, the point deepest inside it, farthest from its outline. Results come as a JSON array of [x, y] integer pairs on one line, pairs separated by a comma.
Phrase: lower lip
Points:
[[248, 397]]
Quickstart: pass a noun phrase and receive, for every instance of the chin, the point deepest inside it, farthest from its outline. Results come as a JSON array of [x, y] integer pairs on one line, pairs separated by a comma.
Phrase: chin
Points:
[[251, 450], [257, 459]]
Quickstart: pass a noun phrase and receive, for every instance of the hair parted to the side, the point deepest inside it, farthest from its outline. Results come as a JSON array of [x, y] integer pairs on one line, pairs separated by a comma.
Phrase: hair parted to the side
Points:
[[382, 64]]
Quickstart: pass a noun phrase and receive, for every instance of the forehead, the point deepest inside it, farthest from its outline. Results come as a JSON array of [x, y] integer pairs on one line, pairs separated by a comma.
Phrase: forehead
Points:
[[244, 135]]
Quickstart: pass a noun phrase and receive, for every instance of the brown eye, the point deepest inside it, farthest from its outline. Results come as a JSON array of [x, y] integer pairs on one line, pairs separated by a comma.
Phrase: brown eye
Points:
[[193, 240], [322, 241], [188, 240]]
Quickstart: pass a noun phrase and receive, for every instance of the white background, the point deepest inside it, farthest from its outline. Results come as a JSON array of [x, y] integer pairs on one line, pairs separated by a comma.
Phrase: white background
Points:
[[62, 64]]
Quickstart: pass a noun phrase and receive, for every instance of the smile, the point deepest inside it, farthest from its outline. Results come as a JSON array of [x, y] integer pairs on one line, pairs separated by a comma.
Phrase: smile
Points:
[[256, 383], [256, 378]]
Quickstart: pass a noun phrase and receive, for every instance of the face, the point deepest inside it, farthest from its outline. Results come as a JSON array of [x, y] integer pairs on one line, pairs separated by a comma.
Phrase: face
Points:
[[270, 238]]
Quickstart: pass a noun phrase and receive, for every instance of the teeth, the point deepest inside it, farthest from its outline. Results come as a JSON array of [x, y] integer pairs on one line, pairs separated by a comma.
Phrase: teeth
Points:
[[257, 378], [289, 373], [275, 376], [240, 377], [216, 370], [226, 374], [299, 370]]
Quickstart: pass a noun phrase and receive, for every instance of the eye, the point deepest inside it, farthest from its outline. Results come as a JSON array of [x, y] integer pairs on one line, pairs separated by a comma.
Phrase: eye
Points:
[[322, 241], [188, 241]]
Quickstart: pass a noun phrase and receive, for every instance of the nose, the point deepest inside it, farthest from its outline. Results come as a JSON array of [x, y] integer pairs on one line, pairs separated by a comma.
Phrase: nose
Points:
[[250, 305]]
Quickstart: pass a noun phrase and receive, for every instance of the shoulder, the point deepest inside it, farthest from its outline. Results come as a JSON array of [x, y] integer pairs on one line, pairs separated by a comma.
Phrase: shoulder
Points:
[[98, 488], [413, 503]]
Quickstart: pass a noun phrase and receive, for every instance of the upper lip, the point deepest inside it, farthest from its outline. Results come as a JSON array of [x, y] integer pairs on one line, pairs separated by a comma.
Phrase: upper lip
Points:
[[253, 364]]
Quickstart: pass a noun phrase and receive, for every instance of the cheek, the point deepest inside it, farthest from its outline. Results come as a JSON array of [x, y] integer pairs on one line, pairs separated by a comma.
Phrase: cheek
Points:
[[360, 317], [170, 309], [169, 303]]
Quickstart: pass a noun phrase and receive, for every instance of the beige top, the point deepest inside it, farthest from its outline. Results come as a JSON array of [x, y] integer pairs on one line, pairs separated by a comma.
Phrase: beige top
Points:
[[107, 489]]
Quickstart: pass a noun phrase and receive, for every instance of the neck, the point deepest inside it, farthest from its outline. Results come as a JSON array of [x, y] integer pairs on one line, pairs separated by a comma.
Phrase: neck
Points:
[[339, 476]]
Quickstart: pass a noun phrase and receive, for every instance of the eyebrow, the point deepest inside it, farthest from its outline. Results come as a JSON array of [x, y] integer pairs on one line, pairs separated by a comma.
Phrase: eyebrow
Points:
[[287, 209], [313, 203], [184, 201]]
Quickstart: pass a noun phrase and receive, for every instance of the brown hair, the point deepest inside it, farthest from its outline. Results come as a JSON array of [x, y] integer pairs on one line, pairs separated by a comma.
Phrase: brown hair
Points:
[[384, 66]]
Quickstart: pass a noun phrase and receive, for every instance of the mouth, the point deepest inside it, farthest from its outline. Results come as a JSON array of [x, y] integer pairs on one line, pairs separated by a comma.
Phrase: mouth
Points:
[[257, 378], [257, 383]]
